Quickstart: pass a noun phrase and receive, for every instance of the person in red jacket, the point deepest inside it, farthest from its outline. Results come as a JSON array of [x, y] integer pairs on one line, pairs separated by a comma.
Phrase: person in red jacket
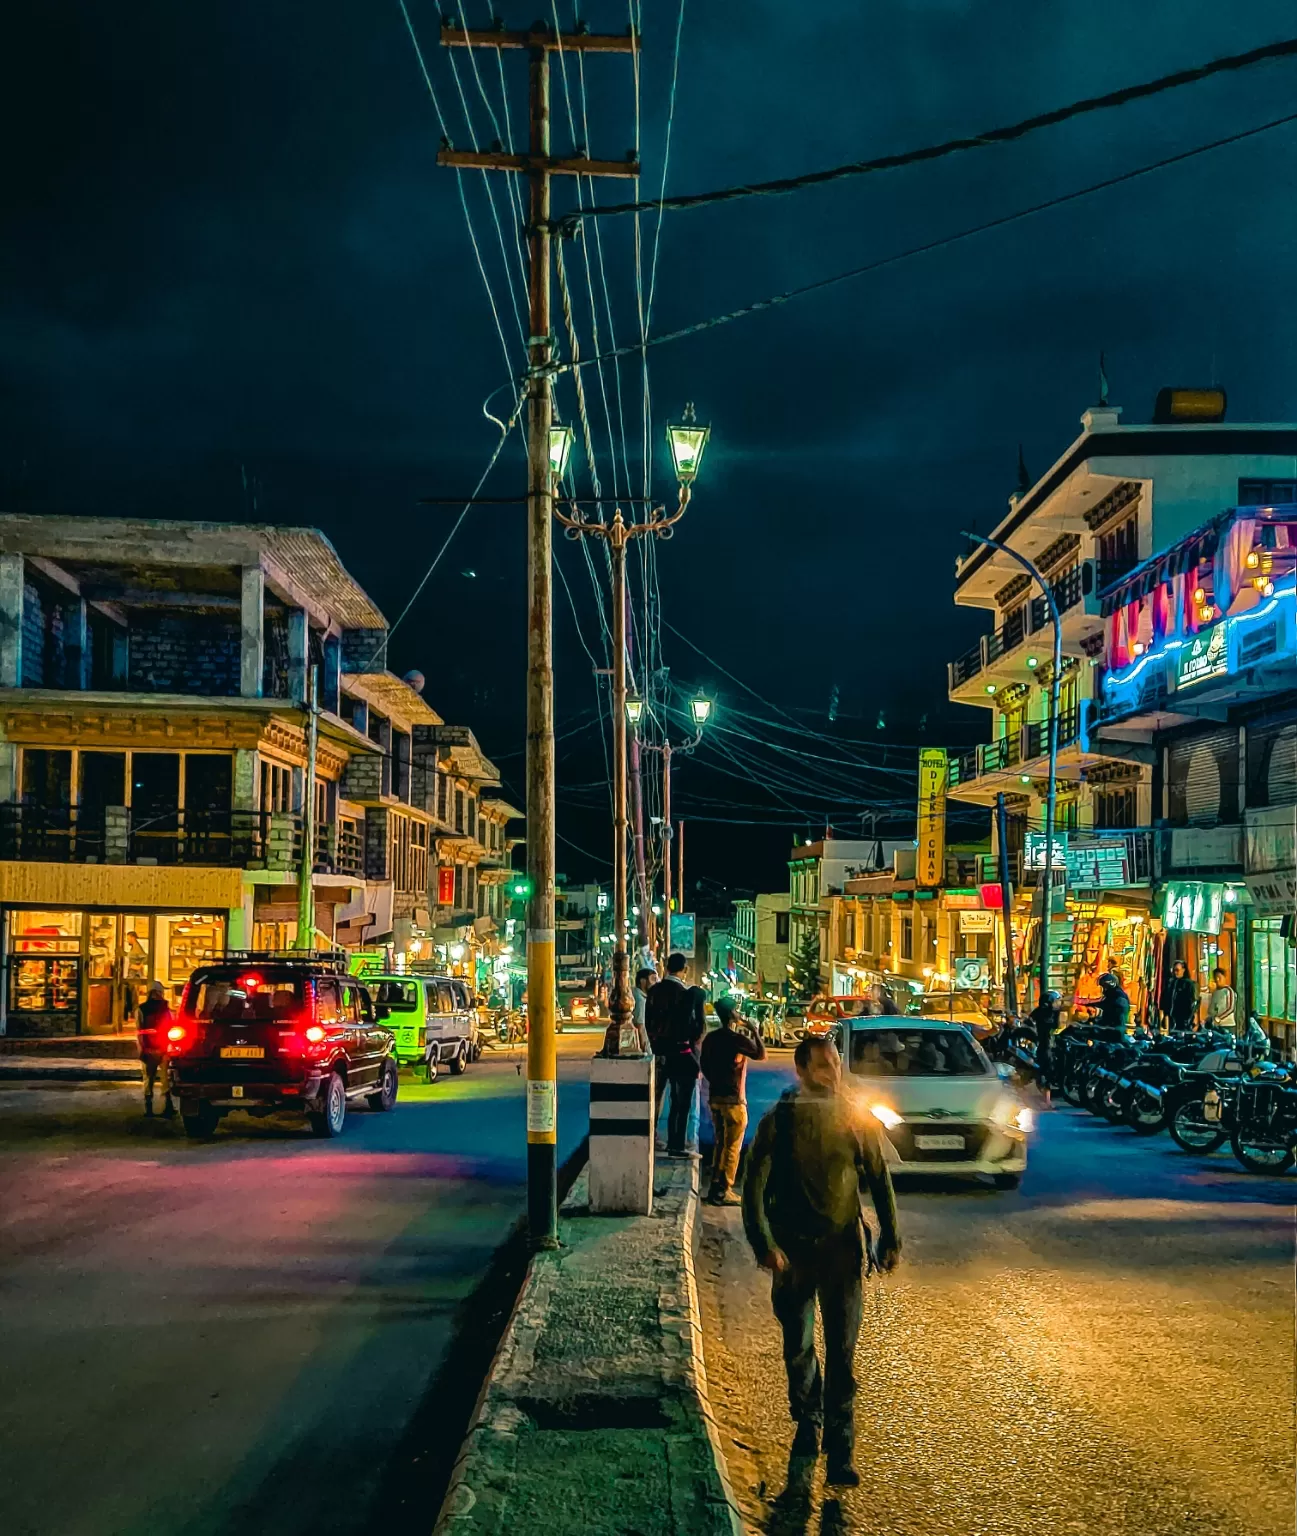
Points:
[[151, 1034]]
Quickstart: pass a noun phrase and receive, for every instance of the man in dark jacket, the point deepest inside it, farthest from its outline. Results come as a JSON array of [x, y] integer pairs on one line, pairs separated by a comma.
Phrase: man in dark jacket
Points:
[[1114, 1004], [814, 1153], [1044, 1019], [724, 1060], [673, 1015], [151, 1037], [1180, 1000]]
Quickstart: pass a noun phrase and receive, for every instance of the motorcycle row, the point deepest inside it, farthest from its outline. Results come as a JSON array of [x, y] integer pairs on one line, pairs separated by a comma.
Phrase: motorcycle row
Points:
[[1203, 1087]]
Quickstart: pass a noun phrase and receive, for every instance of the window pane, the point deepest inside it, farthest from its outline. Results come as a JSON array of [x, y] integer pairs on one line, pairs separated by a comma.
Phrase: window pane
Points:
[[208, 783], [103, 779], [47, 777]]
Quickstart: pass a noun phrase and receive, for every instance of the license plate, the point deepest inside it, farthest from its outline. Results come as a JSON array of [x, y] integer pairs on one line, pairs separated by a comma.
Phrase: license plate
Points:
[[243, 1052], [939, 1143]]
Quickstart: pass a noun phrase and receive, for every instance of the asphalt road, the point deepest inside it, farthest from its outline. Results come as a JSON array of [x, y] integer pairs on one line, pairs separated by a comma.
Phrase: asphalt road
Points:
[[1109, 1350], [243, 1335]]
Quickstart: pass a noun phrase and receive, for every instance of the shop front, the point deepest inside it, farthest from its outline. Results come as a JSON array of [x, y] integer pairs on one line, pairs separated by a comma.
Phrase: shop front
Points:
[[73, 971], [1203, 922]]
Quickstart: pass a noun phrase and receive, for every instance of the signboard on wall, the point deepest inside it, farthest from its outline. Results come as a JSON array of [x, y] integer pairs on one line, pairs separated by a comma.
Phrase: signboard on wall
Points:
[[1033, 851], [1273, 895], [930, 859], [972, 974], [446, 886], [1098, 866], [977, 922], [1205, 656], [1194, 906], [683, 937]]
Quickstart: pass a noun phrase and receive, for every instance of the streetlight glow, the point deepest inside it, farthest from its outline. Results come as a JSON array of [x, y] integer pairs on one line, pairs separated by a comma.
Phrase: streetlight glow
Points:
[[700, 706], [634, 708], [560, 448], [687, 442]]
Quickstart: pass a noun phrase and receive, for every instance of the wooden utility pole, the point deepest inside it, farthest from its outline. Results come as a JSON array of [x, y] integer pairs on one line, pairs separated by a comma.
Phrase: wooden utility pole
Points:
[[538, 166], [306, 868], [1006, 908], [680, 862]]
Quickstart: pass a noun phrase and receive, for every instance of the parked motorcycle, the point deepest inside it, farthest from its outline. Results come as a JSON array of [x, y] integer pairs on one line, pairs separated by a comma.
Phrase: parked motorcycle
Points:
[[1264, 1134], [1145, 1091]]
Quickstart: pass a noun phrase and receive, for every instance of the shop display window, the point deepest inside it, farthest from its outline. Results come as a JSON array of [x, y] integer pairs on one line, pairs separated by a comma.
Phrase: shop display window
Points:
[[45, 971], [1274, 972]]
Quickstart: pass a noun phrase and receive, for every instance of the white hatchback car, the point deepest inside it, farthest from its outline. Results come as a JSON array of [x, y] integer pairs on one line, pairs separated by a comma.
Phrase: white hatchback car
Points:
[[943, 1105]]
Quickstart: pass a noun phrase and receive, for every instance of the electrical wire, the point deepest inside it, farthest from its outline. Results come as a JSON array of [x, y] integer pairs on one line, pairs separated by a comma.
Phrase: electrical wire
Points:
[[463, 200], [1005, 134], [942, 242]]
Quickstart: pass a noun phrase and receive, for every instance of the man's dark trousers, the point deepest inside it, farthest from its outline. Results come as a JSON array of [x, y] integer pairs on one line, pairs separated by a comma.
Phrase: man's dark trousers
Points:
[[829, 1269], [682, 1070]]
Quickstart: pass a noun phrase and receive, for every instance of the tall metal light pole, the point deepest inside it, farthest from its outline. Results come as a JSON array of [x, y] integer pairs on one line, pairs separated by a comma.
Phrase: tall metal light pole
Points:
[[700, 707], [1047, 901], [687, 444], [306, 868]]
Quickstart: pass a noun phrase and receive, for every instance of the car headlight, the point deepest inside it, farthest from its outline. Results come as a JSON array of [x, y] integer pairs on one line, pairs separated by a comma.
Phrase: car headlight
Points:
[[886, 1115], [1013, 1116]]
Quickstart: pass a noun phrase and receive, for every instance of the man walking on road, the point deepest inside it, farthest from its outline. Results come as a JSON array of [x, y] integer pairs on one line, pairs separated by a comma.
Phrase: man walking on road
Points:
[[724, 1061], [151, 1036], [676, 1023], [814, 1153]]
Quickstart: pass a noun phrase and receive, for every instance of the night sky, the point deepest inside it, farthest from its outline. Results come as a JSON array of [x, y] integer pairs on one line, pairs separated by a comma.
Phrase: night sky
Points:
[[234, 285]]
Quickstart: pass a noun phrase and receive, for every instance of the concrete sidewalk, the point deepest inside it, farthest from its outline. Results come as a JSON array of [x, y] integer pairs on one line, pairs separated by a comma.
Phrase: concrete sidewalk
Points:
[[595, 1417], [68, 1069]]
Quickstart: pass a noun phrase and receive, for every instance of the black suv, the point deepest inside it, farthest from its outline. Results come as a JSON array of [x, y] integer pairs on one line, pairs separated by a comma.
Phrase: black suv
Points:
[[267, 1031]]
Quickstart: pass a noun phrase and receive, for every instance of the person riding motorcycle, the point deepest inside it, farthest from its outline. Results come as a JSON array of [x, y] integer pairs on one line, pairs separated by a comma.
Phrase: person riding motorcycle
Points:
[[1114, 1004]]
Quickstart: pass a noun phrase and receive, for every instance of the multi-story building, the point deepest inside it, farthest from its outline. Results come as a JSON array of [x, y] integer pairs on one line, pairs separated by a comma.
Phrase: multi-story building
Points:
[[759, 944], [155, 685], [1127, 509], [818, 871], [1200, 679]]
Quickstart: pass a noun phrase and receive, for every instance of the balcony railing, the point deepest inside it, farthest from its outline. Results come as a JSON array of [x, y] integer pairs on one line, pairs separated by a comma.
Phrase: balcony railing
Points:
[[1020, 746], [136, 835], [1030, 620]]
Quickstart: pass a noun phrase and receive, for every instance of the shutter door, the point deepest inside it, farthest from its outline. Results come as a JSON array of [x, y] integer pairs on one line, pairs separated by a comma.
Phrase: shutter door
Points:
[[1204, 778], [1281, 774]]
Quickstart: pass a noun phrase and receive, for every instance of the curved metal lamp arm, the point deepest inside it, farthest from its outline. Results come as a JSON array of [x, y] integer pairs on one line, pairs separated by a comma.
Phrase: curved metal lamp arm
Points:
[[658, 522]]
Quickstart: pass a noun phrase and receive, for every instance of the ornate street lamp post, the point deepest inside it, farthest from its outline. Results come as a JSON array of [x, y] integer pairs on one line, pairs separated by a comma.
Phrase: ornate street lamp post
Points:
[[687, 442], [1047, 898]]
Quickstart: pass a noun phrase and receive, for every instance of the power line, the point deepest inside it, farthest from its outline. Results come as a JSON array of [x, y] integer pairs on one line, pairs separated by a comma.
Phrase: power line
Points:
[[1002, 135], [946, 240]]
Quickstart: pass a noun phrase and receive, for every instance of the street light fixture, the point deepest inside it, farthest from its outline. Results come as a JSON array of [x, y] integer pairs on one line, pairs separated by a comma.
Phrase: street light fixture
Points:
[[687, 444], [700, 707], [560, 449], [688, 441]]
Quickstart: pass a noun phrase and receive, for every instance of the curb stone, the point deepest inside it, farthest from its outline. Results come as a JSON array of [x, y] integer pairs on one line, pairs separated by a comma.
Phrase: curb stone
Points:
[[600, 1423]]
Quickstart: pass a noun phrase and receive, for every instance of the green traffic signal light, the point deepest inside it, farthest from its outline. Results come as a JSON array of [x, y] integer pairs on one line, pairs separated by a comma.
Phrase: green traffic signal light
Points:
[[521, 888]]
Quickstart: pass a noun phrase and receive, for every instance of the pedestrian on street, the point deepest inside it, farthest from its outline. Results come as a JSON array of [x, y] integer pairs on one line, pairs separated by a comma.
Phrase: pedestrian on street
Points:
[[813, 1155], [1222, 1002], [644, 979], [724, 1060], [1180, 1001], [1045, 1017], [151, 1037], [673, 1014]]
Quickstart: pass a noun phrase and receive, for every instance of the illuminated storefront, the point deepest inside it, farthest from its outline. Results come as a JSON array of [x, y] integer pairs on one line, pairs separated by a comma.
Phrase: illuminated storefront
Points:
[[86, 971]]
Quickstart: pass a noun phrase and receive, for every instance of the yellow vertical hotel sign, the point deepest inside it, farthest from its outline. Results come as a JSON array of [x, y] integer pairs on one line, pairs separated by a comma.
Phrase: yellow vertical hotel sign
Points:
[[930, 862]]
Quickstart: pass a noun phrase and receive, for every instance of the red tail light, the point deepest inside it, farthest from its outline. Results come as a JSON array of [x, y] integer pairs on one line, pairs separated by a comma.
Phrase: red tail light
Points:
[[176, 1037]]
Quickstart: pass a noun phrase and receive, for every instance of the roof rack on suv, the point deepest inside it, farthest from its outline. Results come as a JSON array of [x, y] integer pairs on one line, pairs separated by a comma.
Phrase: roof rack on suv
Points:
[[326, 959]]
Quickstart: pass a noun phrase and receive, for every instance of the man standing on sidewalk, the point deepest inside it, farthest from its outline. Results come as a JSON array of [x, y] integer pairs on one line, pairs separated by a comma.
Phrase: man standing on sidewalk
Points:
[[725, 1056], [151, 1037], [814, 1153], [676, 1024]]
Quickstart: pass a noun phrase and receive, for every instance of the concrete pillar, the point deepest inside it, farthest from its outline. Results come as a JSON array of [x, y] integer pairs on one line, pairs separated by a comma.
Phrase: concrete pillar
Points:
[[11, 621], [331, 675], [299, 633], [621, 1135], [245, 779], [252, 632], [8, 772], [79, 616], [117, 834]]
